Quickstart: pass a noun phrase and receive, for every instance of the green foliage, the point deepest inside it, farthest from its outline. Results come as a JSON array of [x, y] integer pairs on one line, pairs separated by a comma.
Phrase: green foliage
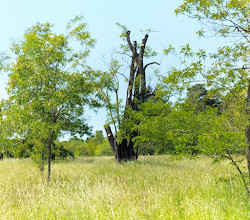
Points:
[[198, 99], [228, 18], [169, 50], [209, 117], [222, 72], [149, 122], [75, 145], [193, 126], [50, 84], [215, 134], [2, 60], [97, 145], [112, 85], [218, 130], [103, 149]]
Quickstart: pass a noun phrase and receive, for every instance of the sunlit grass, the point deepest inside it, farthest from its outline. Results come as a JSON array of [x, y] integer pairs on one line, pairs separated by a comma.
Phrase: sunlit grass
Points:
[[99, 188]]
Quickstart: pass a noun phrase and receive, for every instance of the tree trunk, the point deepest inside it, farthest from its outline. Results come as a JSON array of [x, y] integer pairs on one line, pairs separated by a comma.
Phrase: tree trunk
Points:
[[248, 129], [49, 162], [112, 141], [49, 155], [123, 151], [248, 149], [136, 91]]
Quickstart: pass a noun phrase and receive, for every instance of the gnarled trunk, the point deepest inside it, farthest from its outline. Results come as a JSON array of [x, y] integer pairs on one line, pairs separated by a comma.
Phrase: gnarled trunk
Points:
[[136, 92], [122, 151]]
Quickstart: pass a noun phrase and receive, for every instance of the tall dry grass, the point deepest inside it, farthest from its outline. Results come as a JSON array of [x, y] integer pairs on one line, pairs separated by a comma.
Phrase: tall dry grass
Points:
[[155, 187]]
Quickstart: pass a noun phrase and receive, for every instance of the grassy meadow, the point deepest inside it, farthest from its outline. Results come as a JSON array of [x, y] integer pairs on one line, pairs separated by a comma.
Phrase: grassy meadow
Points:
[[155, 187]]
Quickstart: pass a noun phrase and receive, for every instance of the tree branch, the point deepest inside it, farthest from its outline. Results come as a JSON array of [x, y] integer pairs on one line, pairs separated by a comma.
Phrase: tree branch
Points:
[[132, 75], [128, 40], [150, 64], [140, 75], [239, 170]]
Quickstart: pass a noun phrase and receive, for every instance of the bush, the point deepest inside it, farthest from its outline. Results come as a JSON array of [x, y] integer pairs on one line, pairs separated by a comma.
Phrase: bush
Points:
[[103, 149]]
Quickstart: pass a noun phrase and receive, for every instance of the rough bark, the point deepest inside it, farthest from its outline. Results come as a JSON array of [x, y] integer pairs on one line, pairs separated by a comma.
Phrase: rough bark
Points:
[[132, 75], [141, 68], [129, 41], [111, 140], [140, 79]]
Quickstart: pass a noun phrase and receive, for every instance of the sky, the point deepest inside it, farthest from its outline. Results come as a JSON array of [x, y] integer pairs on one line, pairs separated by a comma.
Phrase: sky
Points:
[[158, 15]]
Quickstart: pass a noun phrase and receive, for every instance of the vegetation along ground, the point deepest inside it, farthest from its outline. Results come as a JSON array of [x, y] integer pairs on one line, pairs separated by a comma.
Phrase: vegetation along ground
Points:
[[154, 187]]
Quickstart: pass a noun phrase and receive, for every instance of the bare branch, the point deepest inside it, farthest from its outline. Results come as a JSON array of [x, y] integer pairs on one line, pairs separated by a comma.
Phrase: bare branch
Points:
[[243, 68], [132, 75], [150, 64], [122, 75], [229, 156], [128, 40], [140, 75], [122, 53]]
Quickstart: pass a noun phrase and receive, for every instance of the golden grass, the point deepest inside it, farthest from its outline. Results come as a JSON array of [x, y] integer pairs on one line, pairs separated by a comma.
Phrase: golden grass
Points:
[[154, 187]]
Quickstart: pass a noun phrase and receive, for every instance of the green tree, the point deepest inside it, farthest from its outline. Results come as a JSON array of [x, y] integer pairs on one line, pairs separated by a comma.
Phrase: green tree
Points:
[[198, 99], [49, 86], [94, 142], [227, 18], [226, 75]]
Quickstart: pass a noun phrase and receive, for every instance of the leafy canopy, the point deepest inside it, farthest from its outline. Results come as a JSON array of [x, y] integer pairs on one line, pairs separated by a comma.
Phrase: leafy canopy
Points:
[[50, 84]]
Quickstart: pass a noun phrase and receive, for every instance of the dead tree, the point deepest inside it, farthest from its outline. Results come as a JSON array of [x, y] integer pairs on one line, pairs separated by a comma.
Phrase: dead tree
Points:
[[136, 93]]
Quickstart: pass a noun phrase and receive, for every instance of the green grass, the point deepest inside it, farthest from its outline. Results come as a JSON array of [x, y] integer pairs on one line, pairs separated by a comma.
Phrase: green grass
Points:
[[98, 188]]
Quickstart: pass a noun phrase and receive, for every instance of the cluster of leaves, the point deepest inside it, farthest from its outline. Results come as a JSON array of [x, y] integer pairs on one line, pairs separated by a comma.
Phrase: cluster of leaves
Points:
[[227, 18], [197, 125]]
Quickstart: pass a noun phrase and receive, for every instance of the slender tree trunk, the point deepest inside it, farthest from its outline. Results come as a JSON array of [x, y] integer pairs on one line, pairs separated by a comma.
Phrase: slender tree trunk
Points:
[[239, 170], [248, 129], [49, 162], [248, 149], [49, 155]]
